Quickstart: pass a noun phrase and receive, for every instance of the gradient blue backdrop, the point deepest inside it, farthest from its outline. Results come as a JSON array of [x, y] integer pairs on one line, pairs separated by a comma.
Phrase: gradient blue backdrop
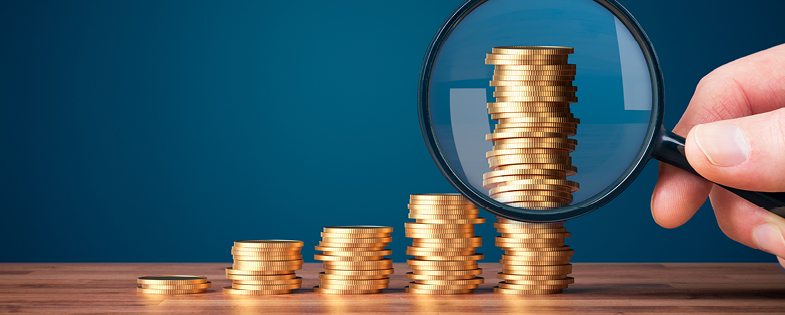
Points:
[[161, 131]]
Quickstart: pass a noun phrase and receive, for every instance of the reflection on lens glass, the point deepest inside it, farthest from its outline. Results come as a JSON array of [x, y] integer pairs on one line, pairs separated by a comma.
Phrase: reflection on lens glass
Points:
[[614, 86]]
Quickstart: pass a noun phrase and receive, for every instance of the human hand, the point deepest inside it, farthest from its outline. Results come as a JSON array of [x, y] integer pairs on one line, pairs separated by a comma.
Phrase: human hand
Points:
[[735, 127]]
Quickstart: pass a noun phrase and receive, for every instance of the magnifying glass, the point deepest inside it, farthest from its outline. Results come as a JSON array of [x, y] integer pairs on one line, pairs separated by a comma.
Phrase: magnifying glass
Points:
[[617, 82]]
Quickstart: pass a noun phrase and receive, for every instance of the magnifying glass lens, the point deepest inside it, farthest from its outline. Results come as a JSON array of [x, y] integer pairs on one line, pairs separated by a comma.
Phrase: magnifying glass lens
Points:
[[540, 127]]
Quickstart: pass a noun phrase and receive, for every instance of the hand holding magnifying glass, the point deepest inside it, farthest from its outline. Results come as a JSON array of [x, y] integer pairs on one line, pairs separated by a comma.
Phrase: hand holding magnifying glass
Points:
[[735, 127]]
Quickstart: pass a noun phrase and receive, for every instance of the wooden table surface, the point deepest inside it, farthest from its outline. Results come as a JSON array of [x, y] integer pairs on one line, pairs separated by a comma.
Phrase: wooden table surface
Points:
[[598, 288]]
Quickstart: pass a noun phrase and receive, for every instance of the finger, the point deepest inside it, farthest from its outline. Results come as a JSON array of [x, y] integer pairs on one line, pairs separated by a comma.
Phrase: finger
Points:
[[747, 223], [677, 196], [744, 153]]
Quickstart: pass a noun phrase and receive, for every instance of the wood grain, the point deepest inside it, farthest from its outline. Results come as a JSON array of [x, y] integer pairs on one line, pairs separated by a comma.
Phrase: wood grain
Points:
[[598, 288]]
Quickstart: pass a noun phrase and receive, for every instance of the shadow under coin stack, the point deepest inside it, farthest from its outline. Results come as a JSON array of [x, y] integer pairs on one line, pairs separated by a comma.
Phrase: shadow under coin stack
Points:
[[265, 267], [353, 259], [443, 245], [173, 284], [530, 162]]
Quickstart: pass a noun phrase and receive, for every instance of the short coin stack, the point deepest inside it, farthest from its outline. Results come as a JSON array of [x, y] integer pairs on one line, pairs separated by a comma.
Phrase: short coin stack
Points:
[[443, 245], [530, 160], [353, 258], [172, 284], [535, 259], [265, 267]]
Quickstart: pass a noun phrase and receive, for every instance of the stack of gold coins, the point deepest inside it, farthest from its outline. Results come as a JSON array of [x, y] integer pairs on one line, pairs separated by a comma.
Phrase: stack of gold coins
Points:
[[353, 258], [265, 267], [530, 161], [172, 284], [535, 259], [443, 245]]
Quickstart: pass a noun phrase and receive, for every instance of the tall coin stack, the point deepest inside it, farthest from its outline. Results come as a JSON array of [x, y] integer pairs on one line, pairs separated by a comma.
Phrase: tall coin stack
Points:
[[353, 258], [265, 267], [530, 162], [443, 245]]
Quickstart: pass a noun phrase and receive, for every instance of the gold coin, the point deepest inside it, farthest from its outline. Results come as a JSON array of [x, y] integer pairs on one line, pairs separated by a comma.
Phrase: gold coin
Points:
[[507, 187], [443, 268], [525, 57], [377, 253], [524, 114], [529, 159], [245, 272], [414, 225], [439, 236], [331, 267], [543, 270], [206, 285], [271, 270], [261, 278], [537, 251], [521, 194], [526, 108], [269, 263], [523, 224], [440, 221], [357, 240], [534, 72], [417, 253], [169, 292], [559, 182], [442, 207], [356, 283], [538, 205], [546, 105], [171, 280], [452, 258], [268, 251], [504, 285], [323, 275], [477, 280], [565, 132], [538, 145], [524, 62], [462, 212], [468, 240], [510, 248], [375, 272], [230, 290], [268, 244], [537, 88], [533, 50], [496, 77], [267, 258], [344, 287], [539, 235], [413, 276], [534, 263], [438, 197], [497, 83], [355, 235], [265, 287], [365, 246], [436, 292], [346, 258], [525, 292], [530, 198], [417, 262], [442, 216], [522, 172], [459, 246], [513, 232], [535, 67], [464, 272], [317, 289], [537, 140], [565, 281], [384, 261], [504, 240], [414, 285], [296, 280], [510, 278], [360, 229], [348, 248], [547, 112]]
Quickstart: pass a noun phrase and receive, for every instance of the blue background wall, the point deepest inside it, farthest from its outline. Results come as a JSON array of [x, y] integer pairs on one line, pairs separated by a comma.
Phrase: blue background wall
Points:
[[149, 131]]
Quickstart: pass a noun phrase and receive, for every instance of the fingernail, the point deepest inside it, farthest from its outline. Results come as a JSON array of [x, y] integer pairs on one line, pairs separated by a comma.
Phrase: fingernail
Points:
[[769, 238], [723, 144]]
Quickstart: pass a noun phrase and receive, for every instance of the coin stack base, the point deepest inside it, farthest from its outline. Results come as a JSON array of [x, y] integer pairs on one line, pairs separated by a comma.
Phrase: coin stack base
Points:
[[173, 285], [353, 259], [265, 267], [443, 245], [535, 259]]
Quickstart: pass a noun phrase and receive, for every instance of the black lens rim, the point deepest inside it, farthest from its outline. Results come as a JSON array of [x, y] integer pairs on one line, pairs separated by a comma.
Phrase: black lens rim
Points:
[[563, 213]]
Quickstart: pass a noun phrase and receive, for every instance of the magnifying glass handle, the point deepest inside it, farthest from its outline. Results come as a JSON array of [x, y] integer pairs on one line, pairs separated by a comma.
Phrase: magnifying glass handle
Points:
[[670, 149]]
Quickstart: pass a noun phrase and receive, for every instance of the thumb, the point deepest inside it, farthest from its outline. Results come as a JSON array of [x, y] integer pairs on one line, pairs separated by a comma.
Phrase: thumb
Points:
[[745, 153]]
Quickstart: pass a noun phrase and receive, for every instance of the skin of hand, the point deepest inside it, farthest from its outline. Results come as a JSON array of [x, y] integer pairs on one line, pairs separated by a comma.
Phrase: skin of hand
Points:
[[735, 136]]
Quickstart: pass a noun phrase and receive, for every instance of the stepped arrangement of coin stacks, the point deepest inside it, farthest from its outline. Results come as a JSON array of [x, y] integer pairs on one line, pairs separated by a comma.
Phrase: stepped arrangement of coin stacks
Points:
[[443, 245], [172, 284], [530, 162], [353, 259], [265, 267]]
